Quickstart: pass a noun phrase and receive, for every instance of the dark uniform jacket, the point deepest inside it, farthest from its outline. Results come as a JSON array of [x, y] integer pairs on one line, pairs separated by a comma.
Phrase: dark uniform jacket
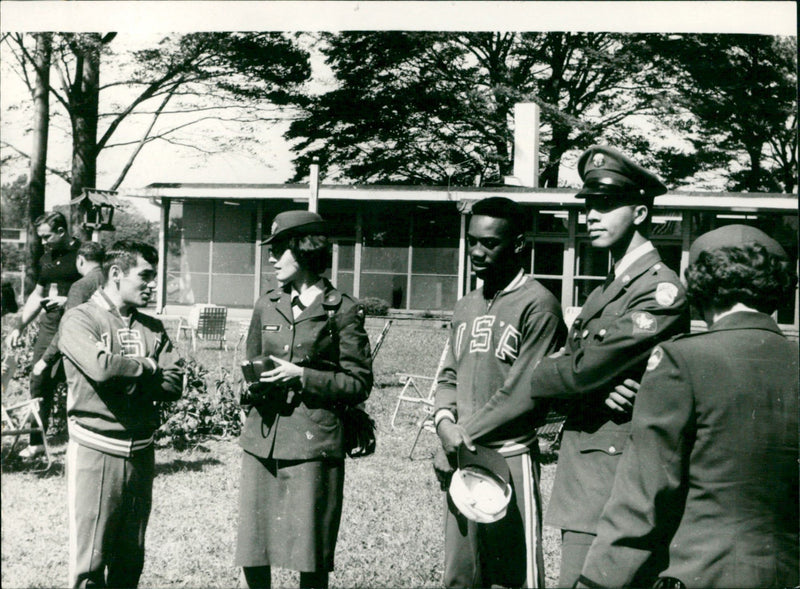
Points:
[[306, 424], [711, 468], [80, 292], [609, 341], [57, 267]]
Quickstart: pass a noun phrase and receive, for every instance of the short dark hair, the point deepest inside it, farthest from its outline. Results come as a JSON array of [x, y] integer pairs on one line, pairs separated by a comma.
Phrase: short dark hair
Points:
[[53, 219], [92, 251], [124, 254], [500, 207], [312, 252], [747, 274]]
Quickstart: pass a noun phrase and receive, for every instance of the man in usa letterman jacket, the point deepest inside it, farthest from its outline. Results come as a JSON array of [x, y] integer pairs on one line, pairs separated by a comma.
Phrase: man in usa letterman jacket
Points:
[[498, 329], [118, 363]]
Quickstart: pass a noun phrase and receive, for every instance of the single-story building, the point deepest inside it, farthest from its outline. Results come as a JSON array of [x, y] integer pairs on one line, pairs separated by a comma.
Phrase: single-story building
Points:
[[407, 245]]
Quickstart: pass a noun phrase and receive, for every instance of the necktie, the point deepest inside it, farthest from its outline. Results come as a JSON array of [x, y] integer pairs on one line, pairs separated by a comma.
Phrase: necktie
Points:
[[609, 279], [297, 306]]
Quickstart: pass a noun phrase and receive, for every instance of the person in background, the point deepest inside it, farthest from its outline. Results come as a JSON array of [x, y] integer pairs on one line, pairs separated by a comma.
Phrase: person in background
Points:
[[58, 271], [8, 299], [119, 364], [312, 337], [641, 304], [710, 473], [511, 321], [90, 267]]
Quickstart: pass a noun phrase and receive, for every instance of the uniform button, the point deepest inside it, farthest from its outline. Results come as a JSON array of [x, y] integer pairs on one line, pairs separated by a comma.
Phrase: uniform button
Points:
[[626, 279], [657, 267], [601, 333], [291, 327], [612, 449], [299, 345], [286, 347], [585, 333]]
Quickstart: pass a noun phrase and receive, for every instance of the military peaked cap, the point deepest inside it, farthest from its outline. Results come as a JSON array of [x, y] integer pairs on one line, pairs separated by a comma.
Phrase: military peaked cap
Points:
[[608, 172]]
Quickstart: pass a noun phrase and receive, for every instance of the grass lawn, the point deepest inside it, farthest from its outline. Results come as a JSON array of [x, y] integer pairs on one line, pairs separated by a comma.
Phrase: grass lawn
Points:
[[391, 534]]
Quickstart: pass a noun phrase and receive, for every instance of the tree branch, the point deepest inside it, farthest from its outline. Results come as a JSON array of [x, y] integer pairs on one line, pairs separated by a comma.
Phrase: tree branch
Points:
[[65, 176]]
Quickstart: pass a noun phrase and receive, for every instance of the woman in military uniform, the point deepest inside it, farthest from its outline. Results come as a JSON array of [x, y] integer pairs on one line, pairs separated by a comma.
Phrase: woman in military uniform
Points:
[[317, 355]]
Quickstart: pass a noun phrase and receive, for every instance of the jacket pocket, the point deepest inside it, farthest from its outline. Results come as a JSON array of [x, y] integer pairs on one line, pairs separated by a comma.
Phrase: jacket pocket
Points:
[[322, 417], [609, 442]]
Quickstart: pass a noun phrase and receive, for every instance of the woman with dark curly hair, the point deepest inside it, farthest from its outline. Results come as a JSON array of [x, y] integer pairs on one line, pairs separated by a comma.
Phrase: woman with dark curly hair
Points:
[[309, 342], [709, 487]]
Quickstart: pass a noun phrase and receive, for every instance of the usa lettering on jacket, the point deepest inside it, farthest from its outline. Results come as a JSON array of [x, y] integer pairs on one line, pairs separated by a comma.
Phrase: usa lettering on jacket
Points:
[[479, 340]]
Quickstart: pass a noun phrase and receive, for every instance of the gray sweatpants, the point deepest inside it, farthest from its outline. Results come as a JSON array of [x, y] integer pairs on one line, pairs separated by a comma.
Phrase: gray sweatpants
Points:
[[108, 505]]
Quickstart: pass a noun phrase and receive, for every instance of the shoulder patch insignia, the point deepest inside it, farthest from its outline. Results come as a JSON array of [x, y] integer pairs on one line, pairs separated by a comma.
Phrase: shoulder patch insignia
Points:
[[666, 293], [644, 322], [655, 359]]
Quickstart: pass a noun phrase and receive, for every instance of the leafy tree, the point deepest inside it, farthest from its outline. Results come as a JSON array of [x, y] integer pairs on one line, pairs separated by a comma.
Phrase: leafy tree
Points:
[[131, 224], [188, 79], [14, 206], [11, 257], [426, 108], [742, 93], [14, 201]]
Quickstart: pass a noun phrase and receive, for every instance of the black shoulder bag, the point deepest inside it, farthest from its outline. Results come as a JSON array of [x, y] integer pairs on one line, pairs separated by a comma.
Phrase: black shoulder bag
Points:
[[359, 427]]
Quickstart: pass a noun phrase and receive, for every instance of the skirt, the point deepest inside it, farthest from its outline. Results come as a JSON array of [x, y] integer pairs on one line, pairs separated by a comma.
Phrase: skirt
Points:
[[289, 513]]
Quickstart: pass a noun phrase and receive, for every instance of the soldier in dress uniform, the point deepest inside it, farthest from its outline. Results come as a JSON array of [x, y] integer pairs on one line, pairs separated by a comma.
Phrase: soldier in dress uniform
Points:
[[710, 472], [641, 304]]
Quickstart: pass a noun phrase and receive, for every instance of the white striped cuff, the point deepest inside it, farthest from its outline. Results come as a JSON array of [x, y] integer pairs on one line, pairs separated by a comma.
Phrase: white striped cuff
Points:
[[514, 446], [101, 443]]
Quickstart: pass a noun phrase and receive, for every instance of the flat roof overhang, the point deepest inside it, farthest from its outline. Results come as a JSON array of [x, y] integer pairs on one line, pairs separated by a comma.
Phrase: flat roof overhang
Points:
[[742, 202]]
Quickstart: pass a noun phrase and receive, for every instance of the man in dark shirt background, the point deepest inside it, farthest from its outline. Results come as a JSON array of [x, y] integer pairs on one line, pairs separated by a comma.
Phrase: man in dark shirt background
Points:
[[90, 267], [57, 273]]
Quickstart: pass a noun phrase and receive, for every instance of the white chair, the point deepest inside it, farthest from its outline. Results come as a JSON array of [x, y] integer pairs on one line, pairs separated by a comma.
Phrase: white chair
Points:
[[205, 322], [413, 384], [23, 418]]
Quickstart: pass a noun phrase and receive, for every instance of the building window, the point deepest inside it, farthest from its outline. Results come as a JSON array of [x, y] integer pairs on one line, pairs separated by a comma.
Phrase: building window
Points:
[[385, 255], [210, 253], [188, 249], [434, 257], [545, 249], [233, 258]]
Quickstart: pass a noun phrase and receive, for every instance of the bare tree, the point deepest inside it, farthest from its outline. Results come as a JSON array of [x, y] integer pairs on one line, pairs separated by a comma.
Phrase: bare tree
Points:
[[38, 165]]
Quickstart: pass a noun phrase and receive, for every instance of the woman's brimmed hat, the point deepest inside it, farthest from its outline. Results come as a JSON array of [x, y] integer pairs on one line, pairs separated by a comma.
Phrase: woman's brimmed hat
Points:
[[294, 223], [734, 236]]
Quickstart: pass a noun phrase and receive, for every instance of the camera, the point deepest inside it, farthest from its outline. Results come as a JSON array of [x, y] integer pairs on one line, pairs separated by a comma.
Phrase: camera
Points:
[[251, 370]]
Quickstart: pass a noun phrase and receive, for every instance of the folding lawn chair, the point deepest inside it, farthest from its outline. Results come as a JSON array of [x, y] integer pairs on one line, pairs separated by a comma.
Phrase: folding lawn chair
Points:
[[205, 322], [412, 391], [17, 421]]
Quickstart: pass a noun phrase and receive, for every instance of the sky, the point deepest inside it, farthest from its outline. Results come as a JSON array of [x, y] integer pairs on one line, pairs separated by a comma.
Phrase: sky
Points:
[[141, 21]]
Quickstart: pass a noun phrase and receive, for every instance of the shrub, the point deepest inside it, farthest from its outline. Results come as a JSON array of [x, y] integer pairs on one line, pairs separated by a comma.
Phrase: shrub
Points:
[[375, 306], [203, 411]]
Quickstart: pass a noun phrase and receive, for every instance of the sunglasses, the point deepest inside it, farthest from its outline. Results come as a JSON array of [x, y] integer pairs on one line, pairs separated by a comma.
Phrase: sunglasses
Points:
[[278, 247]]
